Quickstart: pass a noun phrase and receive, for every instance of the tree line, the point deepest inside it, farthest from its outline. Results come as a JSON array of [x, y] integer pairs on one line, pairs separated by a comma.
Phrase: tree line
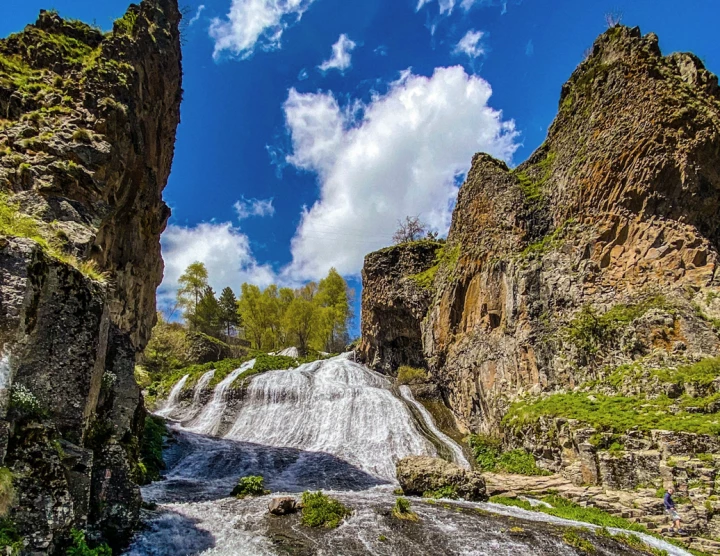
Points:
[[315, 316]]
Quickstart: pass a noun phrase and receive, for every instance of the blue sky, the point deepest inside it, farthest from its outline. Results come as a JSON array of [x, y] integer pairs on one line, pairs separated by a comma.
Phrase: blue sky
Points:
[[309, 127]]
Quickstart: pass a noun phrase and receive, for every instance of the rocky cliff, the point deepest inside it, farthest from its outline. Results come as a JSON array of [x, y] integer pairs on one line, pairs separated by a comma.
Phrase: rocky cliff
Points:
[[587, 277], [87, 132]]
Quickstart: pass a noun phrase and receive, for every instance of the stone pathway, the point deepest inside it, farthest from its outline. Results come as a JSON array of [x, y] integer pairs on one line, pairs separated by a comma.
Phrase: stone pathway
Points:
[[640, 506]]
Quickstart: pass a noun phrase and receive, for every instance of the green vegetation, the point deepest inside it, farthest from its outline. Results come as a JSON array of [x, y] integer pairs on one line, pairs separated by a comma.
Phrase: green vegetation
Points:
[[151, 459], [126, 24], [533, 189], [401, 510], [81, 548], [490, 457], [448, 491], [320, 510], [547, 243], [446, 258], [590, 331], [571, 538], [11, 543], [617, 413], [7, 492], [411, 375], [16, 224], [24, 405], [82, 136], [252, 485]]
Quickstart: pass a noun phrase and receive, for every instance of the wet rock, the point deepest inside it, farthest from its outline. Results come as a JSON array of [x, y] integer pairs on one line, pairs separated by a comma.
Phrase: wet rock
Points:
[[420, 474], [283, 505]]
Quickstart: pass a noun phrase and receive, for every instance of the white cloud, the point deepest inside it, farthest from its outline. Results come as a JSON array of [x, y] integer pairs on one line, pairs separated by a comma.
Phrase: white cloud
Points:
[[401, 154], [196, 17], [250, 22], [224, 249], [245, 208], [470, 44], [341, 57], [447, 6]]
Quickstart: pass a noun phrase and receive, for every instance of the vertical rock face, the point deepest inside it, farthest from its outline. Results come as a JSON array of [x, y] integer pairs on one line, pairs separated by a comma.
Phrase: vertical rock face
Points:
[[394, 300], [87, 132], [616, 210]]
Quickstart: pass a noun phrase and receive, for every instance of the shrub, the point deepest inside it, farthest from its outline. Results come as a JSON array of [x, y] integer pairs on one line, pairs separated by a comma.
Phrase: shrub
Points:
[[321, 510], [490, 457], [411, 375], [449, 491], [126, 24], [151, 457], [252, 485], [81, 548], [10, 540], [7, 492], [82, 136], [402, 510], [25, 404], [571, 538], [273, 363]]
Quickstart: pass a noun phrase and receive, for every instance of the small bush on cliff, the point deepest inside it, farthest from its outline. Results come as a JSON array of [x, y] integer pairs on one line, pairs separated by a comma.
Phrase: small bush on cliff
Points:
[[571, 538], [81, 548], [490, 457], [24, 404], [320, 510], [7, 491], [411, 375], [11, 543], [252, 485], [151, 458], [402, 510]]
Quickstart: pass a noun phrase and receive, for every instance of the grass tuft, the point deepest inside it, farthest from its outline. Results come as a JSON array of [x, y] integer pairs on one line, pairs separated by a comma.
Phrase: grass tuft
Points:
[[319, 510]]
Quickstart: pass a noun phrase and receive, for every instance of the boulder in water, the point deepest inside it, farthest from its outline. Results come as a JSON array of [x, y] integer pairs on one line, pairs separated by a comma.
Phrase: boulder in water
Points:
[[423, 474], [283, 505]]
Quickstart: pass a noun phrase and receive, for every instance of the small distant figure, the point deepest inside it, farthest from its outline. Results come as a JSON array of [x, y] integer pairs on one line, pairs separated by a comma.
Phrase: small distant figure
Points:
[[672, 511]]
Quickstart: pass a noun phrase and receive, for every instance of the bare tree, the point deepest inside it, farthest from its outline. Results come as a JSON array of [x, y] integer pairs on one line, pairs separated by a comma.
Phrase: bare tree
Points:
[[613, 18], [411, 229]]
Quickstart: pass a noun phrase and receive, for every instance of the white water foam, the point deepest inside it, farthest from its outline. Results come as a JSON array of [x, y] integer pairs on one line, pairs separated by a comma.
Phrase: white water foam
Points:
[[457, 453], [210, 418], [334, 406], [172, 401]]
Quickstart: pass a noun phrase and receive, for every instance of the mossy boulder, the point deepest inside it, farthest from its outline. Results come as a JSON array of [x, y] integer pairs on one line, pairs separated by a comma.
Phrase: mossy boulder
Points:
[[418, 475]]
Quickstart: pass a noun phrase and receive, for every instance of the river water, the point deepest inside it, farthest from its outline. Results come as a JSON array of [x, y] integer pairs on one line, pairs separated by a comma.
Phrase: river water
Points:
[[332, 425]]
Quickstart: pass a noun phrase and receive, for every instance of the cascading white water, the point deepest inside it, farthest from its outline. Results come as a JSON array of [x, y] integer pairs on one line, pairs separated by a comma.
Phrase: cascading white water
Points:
[[201, 385], [289, 352], [171, 403], [210, 418], [455, 450], [334, 406]]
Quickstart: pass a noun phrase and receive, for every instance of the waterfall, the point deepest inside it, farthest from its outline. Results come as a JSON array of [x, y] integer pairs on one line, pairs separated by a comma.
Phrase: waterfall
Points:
[[456, 451], [5, 382], [171, 403], [334, 406], [210, 418], [200, 386], [290, 352]]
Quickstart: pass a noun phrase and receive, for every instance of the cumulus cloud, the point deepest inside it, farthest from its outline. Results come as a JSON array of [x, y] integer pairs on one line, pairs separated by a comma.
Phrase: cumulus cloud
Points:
[[341, 58], [223, 248], [470, 44], [196, 17], [253, 22], [245, 208], [401, 154]]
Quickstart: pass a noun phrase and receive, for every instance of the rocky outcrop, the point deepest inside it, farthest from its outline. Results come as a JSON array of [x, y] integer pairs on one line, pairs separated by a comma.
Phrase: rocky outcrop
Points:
[[397, 291], [87, 131], [600, 250], [424, 475]]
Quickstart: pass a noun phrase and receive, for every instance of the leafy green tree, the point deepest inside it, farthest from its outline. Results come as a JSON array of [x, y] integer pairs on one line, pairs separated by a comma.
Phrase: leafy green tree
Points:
[[166, 349], [300, 322], [192, 286], [333, 299], [207, 314], [250, 312], [229, 317]]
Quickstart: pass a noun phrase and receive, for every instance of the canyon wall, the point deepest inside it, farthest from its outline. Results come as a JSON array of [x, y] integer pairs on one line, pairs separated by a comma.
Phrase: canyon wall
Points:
[[87, 133]]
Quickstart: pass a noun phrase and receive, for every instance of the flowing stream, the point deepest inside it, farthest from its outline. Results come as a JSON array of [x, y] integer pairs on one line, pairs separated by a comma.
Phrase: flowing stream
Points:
[[333, 425]]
